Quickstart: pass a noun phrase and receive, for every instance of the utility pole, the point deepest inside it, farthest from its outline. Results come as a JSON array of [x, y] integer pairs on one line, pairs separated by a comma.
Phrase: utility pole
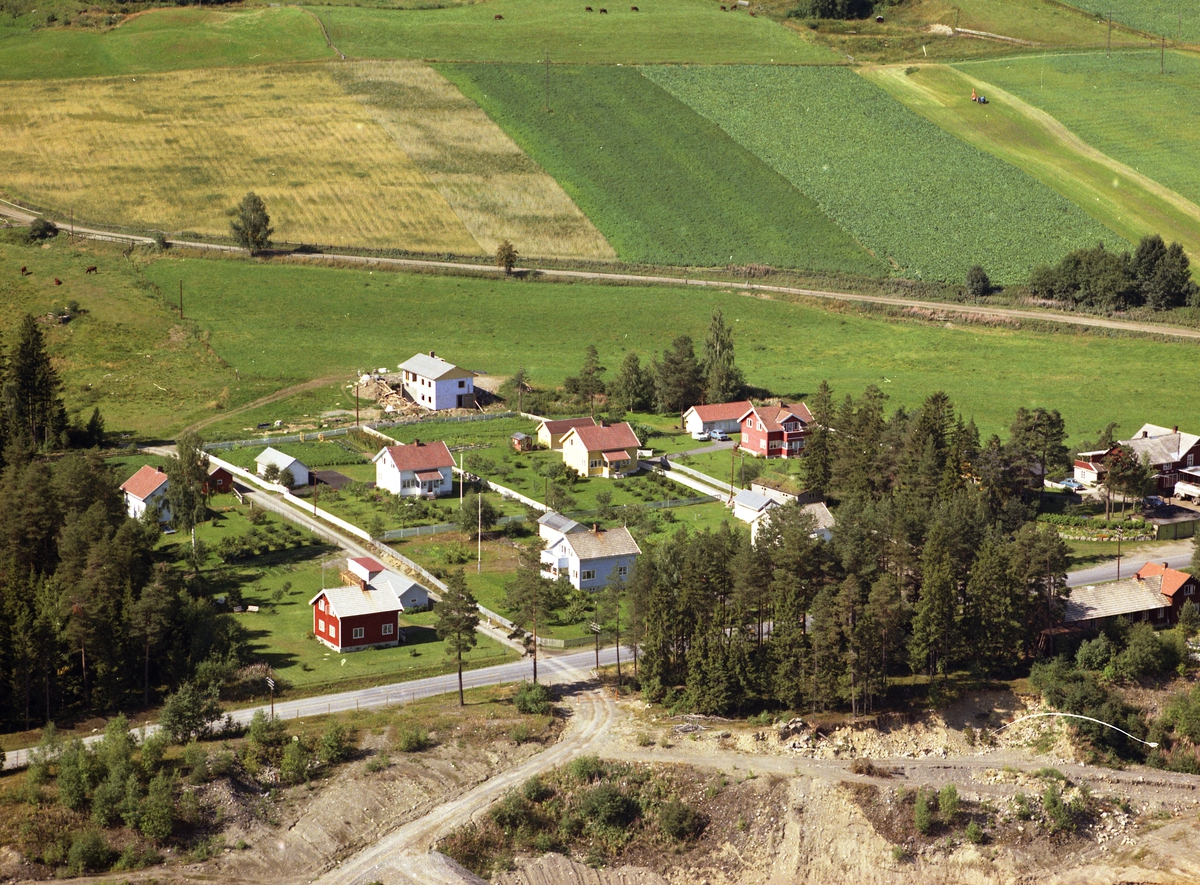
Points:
[[181, 299], [479, 538], [548, 111], [732, 467], [1162, 56], [1109, 50], [596, 630], [356, 403]]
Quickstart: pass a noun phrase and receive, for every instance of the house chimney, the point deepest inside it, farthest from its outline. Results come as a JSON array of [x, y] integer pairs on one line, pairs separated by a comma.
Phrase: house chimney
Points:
[[595, 529], [432, 355], [1175, 429], [1145, 433]]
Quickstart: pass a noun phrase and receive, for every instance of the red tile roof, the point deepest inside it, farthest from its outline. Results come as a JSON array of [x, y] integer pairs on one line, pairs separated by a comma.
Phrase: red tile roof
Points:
[[421, 456], [1172, 580], [605, 439], [774, 417], [144, 483], [566, 424], [722, 411]]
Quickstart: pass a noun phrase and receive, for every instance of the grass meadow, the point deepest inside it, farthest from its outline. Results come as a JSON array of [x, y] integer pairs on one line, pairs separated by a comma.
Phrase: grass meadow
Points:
[[496, 190], [354, 319], [177, 150], [1119, 104], [663, 31], [159, 40], [1173, 19], [663, 184], [1117, 196], [908, 190]]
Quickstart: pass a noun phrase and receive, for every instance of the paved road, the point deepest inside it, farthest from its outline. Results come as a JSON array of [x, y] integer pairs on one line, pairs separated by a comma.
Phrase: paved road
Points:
[[974, 310], [1174, 555]]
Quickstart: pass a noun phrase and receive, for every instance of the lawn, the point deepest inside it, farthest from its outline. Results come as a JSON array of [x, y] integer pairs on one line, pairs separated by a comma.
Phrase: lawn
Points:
[[159, 40], [663, 31], [663, 184], [906, 189], [1116, 196], [1119, 104], [354, 319], [1169, 18], [175, 151]]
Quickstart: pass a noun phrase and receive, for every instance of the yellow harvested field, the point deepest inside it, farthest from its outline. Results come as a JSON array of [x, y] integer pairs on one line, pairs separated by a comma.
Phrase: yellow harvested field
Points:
[[492, 185], [175, 151]]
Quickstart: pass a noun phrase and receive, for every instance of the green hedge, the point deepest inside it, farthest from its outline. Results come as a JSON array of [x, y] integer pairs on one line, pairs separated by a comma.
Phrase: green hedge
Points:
[[1091, 523]]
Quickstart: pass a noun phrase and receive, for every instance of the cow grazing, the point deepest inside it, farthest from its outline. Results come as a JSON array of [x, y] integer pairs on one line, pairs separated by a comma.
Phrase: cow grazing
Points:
[[91, 269], [587, 9], [57, 281], [25, 271], [499, 17], [603, 11], [634, 9]]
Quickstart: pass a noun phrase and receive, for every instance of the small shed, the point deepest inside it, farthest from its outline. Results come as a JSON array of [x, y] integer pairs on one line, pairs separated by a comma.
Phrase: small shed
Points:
[[283, 461], [521, 442], [1172, 523], [219, 482]]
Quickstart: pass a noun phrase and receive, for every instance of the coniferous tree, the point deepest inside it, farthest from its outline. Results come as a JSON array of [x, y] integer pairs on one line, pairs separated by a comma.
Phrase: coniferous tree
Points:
[[992, 622], [457, 617], [678, 381], [187, 484], [529, 598], [723, 380], [33, 409], [818, 454], [934, 624], [633, 386]]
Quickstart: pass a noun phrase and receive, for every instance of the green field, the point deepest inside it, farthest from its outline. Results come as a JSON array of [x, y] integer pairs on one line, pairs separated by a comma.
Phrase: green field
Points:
[[1119, 104], [352, 319], [906, 189], [664, 31], [1166, 18], [160, 40], [663, 184]]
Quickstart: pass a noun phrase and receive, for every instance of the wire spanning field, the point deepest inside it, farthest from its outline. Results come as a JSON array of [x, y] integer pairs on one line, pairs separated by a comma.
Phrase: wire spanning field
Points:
[[663, 184], [175, 151], [662, 31], [162, 40], [909, 191], [494, 187]]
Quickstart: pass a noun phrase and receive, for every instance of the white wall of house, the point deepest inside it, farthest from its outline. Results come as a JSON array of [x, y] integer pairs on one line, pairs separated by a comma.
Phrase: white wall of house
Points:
[[415, 597], [590, 574], [437, 395], [693, 424], [136, 507], [405, 483]]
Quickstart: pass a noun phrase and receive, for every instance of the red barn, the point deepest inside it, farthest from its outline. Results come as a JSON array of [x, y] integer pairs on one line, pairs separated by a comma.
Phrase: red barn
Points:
[[775, 431], [353, 618], [219, 482]]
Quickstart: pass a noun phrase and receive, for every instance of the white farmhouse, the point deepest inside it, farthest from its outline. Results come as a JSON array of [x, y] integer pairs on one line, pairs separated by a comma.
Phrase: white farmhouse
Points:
[[435, 384], [416, 469], [587, 559], [283, 461], [147, 488]]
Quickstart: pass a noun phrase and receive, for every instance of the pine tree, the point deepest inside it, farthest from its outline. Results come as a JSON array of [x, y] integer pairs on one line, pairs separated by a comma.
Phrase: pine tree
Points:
[[457, 617], [827, 652], [818, 454], [633, 386], [934, 625], [678, 382], [33, 409], [723, 380], [992, 621]]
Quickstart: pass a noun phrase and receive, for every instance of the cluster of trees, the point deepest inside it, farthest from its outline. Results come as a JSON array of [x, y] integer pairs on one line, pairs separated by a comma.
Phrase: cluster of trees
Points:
[[839, 9], [936, 564], [1155, 276]]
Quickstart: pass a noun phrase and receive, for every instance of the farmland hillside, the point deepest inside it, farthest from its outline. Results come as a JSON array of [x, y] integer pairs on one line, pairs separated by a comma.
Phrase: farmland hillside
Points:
[[1169, 18]]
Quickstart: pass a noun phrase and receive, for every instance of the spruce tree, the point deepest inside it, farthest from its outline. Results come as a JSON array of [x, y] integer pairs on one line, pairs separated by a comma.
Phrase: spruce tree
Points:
[[33, 408], [723, 380], [678, 381], [818, 454], [457, 617], [934, 626]]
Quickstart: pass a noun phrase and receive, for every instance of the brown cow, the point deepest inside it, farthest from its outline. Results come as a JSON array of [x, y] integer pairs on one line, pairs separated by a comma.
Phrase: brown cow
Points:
[[91, 269], [25, 271], [634, 9], [587, 9], [603, 11], [499, 17], [57, 281]]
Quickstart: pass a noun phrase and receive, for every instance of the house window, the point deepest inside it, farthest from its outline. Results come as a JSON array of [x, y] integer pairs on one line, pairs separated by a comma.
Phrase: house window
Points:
[[622, 571], [333, 631], [574, 574], [1191, 458], [389, 629], [1187, 591], [462, 384], [587, 574], [359, 632], [594, 463], [760, 427], [321, 605], [320, 626]]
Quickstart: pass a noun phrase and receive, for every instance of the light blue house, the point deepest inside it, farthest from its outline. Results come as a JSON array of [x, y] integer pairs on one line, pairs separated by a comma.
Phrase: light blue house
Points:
[[588, 558]]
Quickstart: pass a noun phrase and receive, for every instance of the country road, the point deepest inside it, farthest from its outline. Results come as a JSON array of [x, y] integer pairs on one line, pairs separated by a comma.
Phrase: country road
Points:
[[973, 310]]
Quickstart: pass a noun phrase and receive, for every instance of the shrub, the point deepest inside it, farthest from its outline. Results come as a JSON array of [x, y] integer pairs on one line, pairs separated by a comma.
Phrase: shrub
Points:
[[195, 759], [922, 816], [334, 746], [89, 853], [413, 739], [158, 811], [532, 698], [107, 800], [587, 769], [267, 736], [978, 283], [1023, 811], [42, 229], [512, 812], [537, 790], [1057, 813], [76, 771], [378, 762], [1095, 654], [189, 713], [973, 833], [681, 822], [135, 858], [948, 803], [293, 768], [1147, 654], [609, 807]]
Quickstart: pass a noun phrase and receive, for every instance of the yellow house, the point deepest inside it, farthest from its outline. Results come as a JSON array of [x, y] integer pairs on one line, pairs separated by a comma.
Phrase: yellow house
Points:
[[550, 433], [601, 451]]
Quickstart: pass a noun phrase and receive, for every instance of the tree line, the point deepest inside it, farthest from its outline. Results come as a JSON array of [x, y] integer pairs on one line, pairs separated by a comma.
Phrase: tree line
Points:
[[1156, 276]]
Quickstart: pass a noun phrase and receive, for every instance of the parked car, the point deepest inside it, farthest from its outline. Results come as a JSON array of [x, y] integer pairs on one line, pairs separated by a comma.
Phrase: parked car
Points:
[[1153, 501], [701, 435], [720, 435], [1073, 484]]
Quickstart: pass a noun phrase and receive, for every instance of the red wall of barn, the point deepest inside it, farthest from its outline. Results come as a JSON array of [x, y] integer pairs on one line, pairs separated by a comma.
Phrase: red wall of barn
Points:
[[372, 628]]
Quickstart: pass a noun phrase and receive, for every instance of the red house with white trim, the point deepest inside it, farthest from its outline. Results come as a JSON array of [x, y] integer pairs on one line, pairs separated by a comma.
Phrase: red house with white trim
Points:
[[775, 431], [1179, 587], [354, 618]]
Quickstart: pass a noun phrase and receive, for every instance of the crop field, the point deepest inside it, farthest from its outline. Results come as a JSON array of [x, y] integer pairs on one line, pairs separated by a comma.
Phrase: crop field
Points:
[[1114, 194], [352, 319], [663, 184], [176, 150], [489, 183], [1119, 104], [663, 31], [1173, 19], [160, 40], [905, 188]]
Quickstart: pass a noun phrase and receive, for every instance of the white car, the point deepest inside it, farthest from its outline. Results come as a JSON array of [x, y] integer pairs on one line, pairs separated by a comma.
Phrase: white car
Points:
[[720, 435], [701, 436]]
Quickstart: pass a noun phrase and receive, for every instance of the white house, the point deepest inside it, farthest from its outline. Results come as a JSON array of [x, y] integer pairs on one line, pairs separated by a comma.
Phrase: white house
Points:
[[719, 416], [759, 518], [416, 469], [748, 505], [588, 558], [435, 384], [147, 488], [283, 461]]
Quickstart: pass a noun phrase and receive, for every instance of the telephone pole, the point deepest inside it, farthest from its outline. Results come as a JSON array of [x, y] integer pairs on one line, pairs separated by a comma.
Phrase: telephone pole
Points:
[[181, 299], [548, 110]]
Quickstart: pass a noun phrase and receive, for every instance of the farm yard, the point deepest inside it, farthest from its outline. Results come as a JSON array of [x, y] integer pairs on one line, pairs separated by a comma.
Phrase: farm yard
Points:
[[907, 190], [663, 184]]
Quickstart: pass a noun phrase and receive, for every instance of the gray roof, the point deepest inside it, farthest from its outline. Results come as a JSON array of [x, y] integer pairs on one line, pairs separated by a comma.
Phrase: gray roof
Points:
[[599, 545], [1115, 598], [753, 500], [559, 523], [282, 460], [433, 367], [1160, 445], [820, 513], [395, 584], [348, 602]]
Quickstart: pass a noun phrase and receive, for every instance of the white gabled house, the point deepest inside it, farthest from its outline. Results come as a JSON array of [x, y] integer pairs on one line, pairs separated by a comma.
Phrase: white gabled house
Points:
[[719, 416], [416, 469], [588, 558], [435, 384], [283, 461], [146, 489]]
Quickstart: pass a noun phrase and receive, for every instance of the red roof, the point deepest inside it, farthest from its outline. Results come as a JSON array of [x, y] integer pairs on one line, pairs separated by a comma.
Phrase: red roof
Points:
[[1089, 465], [774, 417], [144, 483], [722, 411], [421, 456], [607, 439], [371, 565], [429, 475], [566, 424], [1172, 580]]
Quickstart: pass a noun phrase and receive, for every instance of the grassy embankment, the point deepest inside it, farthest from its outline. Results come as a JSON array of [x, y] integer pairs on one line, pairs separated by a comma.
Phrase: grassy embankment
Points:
[[1122, 199]]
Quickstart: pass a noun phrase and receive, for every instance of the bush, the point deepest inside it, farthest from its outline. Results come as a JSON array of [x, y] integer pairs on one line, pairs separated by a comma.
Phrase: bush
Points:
[[681, 822], [189, 713], [532, 698], [512, 812], [973, 833], [334, 746], [609, 807], [1023, 811], [378, 762], [158, 811], [413, 739], [267, 737], [293, 768], [1147, 654], [195, 759], [1095, 654], [537, 790], [978, 283], [1057, 813], [42, 229], [89, 853], [586, 769], [922, 816], [948, 803]]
